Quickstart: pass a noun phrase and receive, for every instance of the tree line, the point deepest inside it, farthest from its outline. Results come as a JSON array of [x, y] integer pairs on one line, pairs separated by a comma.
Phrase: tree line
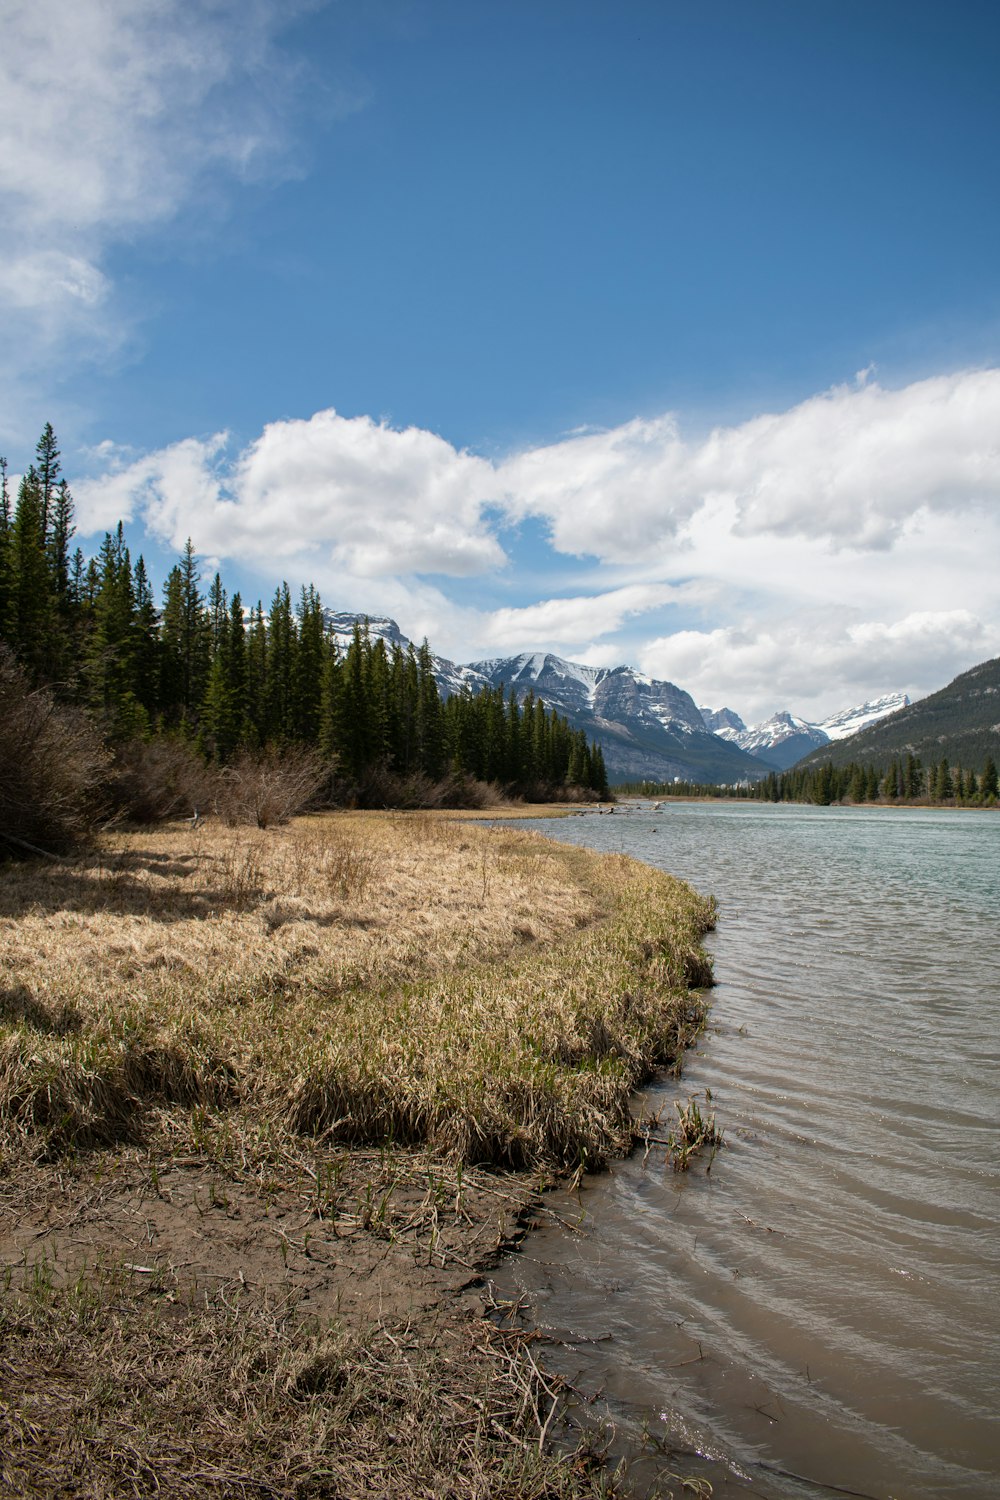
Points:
[[904, 780], [202, 667]]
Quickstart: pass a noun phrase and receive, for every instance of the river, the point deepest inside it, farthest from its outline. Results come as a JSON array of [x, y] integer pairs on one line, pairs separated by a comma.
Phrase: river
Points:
[[820, 1313]]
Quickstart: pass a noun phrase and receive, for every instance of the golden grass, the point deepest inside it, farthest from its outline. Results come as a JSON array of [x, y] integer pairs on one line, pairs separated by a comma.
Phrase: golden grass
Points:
[[404, 979], [114, 1390], [243, 1016]]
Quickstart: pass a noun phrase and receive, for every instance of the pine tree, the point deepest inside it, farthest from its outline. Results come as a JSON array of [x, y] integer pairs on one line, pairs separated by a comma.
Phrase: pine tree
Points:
[[599, 781], [6, 543], [185, 637], [989, 785], [943, 787], [48, 468], [255, 719], [281, 649], [307, 668], [110, 665], [430, 717], [223, 709], [31, 609]]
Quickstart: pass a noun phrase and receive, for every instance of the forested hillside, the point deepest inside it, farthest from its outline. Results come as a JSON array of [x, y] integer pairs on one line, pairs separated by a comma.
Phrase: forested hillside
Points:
[[960, 723], [201, 669]]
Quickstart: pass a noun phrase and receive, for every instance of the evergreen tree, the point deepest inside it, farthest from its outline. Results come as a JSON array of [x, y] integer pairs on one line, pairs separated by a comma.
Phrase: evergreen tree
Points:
[[943, 786], [256, 677], [31, 609], [6, 565], [110, 665], [281, 648], [307, 668], [989, 783], [185, 637], [429, 718], [224, 707], [599, 779], [48, 469]]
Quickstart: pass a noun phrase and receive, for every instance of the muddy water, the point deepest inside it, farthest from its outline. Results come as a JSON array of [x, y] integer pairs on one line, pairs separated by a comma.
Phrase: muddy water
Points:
[[821, 1312]]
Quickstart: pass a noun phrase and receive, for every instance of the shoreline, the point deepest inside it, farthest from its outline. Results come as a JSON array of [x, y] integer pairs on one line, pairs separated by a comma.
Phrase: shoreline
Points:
[[267, 1232]]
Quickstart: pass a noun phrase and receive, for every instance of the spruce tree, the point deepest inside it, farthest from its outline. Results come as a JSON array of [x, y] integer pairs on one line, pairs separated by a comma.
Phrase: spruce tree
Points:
[[146, 636], [430, 718], [307, 668], [48, 468], [30, 616], [256, 677]]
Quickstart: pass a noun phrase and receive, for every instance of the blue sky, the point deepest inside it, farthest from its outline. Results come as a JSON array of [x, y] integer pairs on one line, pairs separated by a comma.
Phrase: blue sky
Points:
[[663, 332]]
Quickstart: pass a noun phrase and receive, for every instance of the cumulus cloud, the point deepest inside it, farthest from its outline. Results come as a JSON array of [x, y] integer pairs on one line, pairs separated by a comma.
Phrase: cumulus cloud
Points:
[[808, 560], [819, 663], [849, 468], [346, 494], [111, 112]]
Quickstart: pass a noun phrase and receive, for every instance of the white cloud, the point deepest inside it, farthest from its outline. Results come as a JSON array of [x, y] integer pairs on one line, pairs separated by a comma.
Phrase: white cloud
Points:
[[111, 113], [746, 550], [568, 622], [818, 664], [337, 494], [848, 468]]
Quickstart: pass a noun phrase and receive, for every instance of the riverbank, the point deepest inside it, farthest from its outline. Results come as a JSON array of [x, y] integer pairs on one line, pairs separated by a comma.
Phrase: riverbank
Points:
[[270, 1105]]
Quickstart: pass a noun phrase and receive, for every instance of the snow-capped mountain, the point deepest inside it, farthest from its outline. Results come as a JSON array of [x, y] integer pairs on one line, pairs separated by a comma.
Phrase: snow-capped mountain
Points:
[[724, 722], [648, 729], [783, 739], [851, 720]]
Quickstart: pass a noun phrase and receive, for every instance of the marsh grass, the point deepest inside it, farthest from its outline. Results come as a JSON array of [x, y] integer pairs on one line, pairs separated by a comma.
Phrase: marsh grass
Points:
[[694, 1131], [118, 1385], [313, 1050], [471, 988]]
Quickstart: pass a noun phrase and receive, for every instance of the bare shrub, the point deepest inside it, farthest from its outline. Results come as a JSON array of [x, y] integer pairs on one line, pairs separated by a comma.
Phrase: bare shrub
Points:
[[384, 788], [270, 786], [162, 778], [53, 766], [242, 871]]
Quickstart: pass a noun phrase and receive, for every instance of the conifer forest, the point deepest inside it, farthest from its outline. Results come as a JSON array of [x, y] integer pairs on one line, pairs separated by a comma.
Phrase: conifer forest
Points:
[[203, 678]]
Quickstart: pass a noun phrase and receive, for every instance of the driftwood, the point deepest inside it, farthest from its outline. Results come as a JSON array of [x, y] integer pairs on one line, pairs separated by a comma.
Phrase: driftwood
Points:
[[31, 848]]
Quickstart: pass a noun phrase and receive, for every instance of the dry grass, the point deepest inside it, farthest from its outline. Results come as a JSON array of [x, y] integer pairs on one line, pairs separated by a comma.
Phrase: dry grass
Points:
[[108, 1389], [473, 988], [405, 980], [313, 1051]]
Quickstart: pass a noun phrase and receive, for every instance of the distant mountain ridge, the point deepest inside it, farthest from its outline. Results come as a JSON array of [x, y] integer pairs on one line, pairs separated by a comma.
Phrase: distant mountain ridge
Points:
[[649, 729], [960, 722], [782, 740]]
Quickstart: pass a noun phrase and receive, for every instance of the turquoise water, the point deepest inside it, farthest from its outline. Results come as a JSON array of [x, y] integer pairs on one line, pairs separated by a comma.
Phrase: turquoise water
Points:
[[826, 1303]]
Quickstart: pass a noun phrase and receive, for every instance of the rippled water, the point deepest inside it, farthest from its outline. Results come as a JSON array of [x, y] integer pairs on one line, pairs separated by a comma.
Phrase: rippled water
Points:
[[826, 1303]]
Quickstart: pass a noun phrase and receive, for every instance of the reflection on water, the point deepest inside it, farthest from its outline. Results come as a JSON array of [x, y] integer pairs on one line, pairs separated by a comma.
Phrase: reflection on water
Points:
[[824, 1303]]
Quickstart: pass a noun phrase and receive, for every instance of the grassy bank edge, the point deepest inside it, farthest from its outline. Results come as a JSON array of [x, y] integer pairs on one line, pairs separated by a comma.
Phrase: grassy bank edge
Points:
[[588, 1019]]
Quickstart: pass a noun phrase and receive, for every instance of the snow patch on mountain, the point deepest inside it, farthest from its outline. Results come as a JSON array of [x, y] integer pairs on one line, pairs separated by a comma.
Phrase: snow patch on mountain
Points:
[[851, 720], [784, 738]]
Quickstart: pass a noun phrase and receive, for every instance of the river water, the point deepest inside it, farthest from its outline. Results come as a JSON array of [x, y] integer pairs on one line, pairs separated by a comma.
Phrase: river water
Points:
[[820, 1313]]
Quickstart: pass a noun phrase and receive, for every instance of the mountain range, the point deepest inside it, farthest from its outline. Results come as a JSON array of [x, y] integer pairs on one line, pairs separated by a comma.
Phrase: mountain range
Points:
[[650, 730], [960, 722], [782, 740]]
